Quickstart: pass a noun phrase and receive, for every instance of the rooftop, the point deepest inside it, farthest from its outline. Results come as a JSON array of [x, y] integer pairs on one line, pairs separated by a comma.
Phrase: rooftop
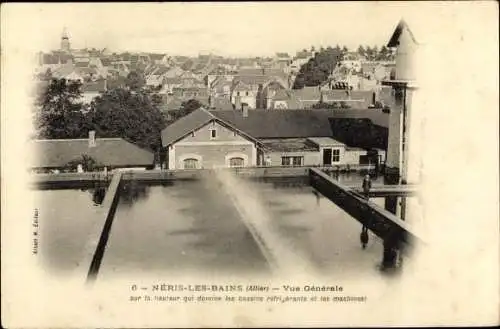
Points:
[[289, 145], [113, 152]]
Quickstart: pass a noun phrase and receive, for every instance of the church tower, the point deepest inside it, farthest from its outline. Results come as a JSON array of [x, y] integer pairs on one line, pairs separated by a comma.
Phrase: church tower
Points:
[[65, 45]]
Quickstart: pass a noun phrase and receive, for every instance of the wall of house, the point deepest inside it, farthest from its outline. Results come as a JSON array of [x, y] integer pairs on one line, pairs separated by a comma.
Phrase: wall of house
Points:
[[212, 152], [251, 99], [339, 147], [351, 156], [310, 158]]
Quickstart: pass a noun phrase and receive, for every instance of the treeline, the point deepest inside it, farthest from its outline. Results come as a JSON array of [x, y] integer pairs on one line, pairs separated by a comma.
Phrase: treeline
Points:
[[346, 130], [376, 54], [319, 68], [127, 112]]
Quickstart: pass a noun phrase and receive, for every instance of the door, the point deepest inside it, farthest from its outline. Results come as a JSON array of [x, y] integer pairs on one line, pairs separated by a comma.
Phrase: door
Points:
[[327, 157]]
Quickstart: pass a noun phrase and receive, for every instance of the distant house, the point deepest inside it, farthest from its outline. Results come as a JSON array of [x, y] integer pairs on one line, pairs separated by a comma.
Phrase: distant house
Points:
[[157, 76], [285, 99], [55, 154], [91, 90], [211, 139], [68, 72], [221, 86], [168, 85], [254, 89], [244, 93]]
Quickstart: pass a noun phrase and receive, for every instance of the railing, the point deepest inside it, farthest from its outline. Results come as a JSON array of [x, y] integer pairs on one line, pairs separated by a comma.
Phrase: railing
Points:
[[380, 221]]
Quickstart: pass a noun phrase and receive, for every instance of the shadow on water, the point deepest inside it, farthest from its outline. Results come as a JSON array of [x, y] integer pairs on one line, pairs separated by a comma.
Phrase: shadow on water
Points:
[[132, 192]]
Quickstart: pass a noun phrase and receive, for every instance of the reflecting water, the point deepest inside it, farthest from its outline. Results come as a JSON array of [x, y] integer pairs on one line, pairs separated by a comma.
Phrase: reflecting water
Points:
[[67, 219], [196, 226]]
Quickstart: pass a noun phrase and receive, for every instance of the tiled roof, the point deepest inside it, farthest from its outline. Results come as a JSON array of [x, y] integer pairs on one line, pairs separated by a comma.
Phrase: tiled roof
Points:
[[295, 123], [289, 145], [117, 152], [280, 123], [64, 71], [195, 120], [325, 141], [184, 126], [252, 80]]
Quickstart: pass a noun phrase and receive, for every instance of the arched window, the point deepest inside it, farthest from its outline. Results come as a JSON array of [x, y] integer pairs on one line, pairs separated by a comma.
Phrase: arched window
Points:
[[190, 164], [236, 162]]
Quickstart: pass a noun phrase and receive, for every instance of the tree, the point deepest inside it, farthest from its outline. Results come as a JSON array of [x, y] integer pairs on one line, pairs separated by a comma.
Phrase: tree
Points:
[[361, 50], [135, 117], [317, 69], [88, 164], [375, 53], [384, 53], [135, 81], [58, 111], [186, 108]]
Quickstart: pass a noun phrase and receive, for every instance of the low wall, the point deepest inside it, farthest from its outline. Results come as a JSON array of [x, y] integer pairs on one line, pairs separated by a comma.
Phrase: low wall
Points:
[[108, 209], [90, 179]]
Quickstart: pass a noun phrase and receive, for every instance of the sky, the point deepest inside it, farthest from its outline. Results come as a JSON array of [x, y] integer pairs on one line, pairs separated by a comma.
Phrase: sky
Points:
[[230, 29]]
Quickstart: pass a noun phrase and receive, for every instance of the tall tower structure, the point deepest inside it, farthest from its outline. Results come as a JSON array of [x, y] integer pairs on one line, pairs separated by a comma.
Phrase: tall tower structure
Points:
[[401, 162], [65, 45], [403, 156]]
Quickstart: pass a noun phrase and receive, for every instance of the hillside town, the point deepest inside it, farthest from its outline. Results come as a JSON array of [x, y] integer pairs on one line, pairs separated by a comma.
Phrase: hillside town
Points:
[[281, 107]]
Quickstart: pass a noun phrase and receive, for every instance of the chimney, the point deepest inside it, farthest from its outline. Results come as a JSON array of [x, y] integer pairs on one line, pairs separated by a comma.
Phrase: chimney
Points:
[[244, 109], [210, 102], [92, 138]]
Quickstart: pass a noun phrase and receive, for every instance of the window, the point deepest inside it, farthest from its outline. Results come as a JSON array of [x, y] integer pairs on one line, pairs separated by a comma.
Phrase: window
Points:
[[236, 162], [336, 155], [292, 161], [213, 133], [246, 93], [190, 164], [237, 93]]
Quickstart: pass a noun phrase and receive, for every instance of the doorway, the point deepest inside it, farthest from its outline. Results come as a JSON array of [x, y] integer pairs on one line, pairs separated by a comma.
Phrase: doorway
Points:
[[327, 157]]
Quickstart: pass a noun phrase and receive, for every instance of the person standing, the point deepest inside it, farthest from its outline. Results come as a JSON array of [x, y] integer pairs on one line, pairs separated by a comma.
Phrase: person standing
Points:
[[367, 184]]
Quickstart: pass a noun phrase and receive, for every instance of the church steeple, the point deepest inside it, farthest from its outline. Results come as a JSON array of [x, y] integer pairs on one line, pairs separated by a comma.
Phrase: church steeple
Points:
[[65, 46]]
